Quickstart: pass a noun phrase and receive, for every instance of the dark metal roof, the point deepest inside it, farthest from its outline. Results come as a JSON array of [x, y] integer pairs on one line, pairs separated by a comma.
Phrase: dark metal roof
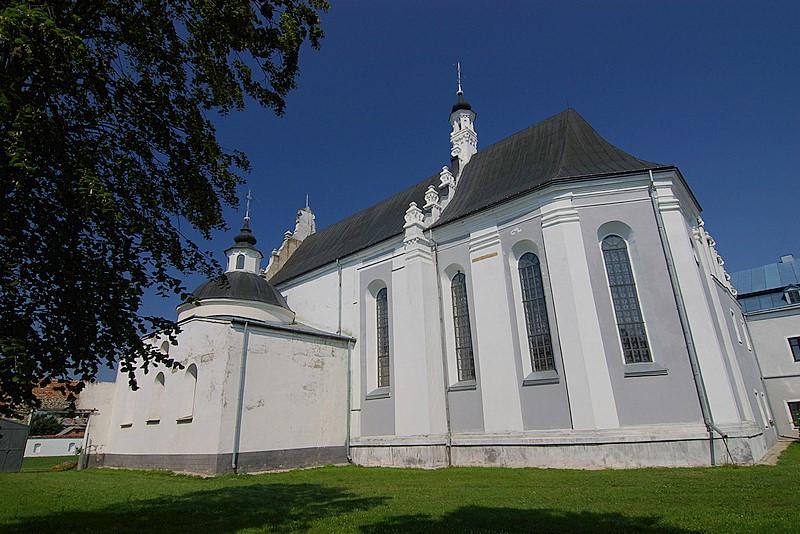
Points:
[[240, 285], [460, 104], [560, 148]]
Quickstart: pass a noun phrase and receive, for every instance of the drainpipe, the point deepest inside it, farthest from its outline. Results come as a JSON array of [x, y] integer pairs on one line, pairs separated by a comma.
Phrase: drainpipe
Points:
[[449, 438], [237, 431], [349, 400], [702, 395], [339, 269]]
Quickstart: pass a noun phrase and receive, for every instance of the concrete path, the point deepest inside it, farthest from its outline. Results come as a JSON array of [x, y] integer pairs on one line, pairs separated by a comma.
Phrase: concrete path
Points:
[[771, 458]]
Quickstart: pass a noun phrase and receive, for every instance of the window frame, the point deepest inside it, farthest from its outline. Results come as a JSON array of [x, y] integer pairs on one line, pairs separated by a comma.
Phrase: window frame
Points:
[[540, 302], [792, 290], [789, 411], [240, 262], [382, 298], [652, 366], [467, 316], [794, 354]]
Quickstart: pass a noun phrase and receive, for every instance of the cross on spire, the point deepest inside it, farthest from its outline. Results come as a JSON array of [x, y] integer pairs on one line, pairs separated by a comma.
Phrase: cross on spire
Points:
[[249, 197]]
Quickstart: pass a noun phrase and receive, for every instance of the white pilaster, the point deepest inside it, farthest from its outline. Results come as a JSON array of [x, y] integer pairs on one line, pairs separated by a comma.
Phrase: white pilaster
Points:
[[591, 396], [701, 322], [417, 385], [498, 371]]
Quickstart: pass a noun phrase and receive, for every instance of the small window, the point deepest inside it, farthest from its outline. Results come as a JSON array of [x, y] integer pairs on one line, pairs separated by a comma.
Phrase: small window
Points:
[[736, 327], [37, 448], [382, 319], [792, 295], [240, 261], [794, 345], [540, 344], [630, 324], [71, 448], [156, 399], [794, 412], [464, 357], [746, 336]]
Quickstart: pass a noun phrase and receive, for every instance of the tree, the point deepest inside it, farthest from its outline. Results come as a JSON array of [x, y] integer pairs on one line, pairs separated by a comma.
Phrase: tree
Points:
[[44, 424], [106, 151]]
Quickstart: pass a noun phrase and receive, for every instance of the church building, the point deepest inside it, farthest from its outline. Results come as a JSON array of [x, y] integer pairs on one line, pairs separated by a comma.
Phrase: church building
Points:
[[549, 300]]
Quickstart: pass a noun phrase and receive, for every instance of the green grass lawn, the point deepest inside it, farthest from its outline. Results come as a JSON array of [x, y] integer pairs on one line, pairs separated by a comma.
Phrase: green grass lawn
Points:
[[758, 499]]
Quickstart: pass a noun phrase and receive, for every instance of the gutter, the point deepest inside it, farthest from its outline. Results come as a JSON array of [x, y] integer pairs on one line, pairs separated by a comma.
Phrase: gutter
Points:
[[237, 431], [449, 440], [702, 394]]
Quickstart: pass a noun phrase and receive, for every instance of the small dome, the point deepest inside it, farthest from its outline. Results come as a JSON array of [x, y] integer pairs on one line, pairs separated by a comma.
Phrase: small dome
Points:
[[461, 104], [242, 286], [245, 237]]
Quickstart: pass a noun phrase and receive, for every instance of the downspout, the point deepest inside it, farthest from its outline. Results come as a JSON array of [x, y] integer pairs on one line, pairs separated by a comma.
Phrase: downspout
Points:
[[349, 401], [237, 431], [702, 394], [339, 269], [449, 438]]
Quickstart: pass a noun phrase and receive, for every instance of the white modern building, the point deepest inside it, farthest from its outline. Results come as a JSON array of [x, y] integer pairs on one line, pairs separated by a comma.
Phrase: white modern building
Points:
[[549, 300], [770, 298]]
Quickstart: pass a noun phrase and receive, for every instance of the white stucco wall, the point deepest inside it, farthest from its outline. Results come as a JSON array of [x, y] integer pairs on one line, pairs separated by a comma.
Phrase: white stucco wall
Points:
[[36, 447], [98, 397]]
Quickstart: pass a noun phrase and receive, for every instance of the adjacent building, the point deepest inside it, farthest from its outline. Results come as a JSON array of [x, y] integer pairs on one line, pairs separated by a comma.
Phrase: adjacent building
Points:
[[770, 298]]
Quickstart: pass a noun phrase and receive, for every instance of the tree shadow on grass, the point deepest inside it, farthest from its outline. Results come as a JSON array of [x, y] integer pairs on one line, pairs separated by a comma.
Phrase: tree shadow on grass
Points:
[[279, 507], [487, 519]]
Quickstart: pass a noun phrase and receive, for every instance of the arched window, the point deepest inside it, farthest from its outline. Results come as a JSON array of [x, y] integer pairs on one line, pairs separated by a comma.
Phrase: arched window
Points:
[[189, 389], [156, 399], [240, 261], [382, 318], [630, 324], [540, 343], [464, 359]]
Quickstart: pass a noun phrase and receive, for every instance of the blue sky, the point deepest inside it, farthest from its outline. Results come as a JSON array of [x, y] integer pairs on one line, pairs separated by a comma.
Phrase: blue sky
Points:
[[709, 86]]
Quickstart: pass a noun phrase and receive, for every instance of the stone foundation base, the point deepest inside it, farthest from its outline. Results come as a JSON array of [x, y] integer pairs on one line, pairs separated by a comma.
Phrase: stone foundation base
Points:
[[651, 446], [215, 464]]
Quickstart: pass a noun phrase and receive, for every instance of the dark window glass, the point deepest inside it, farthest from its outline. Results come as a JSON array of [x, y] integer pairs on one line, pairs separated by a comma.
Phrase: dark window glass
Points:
[[793, 296], [626, 302], [794, 344], [794, 409], [540, 343], [382, 312], [464, 359], [240, 261]]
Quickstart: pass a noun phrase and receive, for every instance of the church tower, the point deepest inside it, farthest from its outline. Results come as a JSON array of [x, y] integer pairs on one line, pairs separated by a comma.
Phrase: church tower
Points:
[[463, 138], [243, 256]]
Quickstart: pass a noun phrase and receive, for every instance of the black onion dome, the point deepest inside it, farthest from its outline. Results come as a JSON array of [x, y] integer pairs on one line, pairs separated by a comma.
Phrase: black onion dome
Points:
[[461, 104], [242, 286], [245, 237]]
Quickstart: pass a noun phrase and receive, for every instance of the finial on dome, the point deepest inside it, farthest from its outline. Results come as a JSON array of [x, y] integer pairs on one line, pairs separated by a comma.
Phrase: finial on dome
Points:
[[458, 77], [247, 209]]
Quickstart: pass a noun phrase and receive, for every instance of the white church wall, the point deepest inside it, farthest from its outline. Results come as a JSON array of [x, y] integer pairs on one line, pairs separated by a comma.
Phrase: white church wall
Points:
[[643, 399], [295, 393], [545, 404], [204, 343], [98, 397], [676, 211]]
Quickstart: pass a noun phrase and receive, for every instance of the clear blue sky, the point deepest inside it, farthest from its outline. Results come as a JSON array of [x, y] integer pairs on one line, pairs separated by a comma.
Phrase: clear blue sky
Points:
[[712, 87]]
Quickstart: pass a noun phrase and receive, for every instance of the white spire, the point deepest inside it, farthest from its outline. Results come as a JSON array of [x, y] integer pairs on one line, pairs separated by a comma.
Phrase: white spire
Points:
[[458, 77]]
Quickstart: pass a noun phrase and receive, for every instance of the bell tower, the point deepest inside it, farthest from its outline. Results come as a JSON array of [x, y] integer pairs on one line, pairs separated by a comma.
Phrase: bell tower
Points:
[[463, 138]]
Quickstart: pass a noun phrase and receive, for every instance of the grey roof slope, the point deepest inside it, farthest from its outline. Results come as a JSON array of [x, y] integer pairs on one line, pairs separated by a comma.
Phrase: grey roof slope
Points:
[[240, 285], [562, 147]]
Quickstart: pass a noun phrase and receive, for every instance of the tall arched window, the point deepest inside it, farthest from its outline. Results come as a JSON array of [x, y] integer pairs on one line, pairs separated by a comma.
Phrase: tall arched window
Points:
[[540, 343], [464, 360], [382, 318], [240, 261], [630, 324]]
